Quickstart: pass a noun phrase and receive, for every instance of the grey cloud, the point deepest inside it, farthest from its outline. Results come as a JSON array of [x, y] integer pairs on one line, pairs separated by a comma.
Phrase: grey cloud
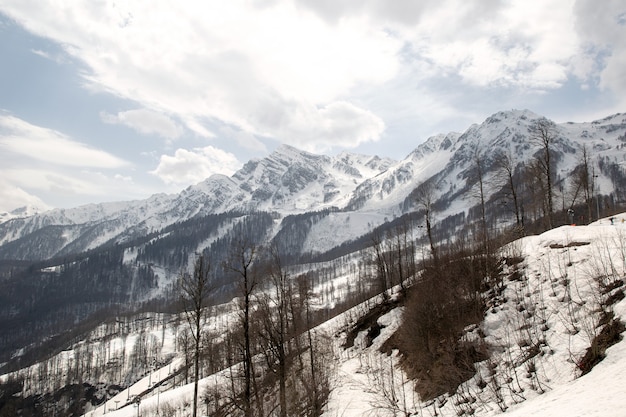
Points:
[[603, 28], [146, 122], [405, 12]]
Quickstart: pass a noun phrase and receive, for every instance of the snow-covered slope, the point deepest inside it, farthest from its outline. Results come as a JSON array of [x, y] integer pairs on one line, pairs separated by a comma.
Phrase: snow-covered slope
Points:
[[21, 212], [288, 181], [553, 387], [537, 338], [557, 284], [386, 191]]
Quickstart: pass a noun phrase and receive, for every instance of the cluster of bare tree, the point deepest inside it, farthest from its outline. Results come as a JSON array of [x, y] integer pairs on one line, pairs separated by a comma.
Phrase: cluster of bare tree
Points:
[[439, 341], [393, 254], [107, 354], [528, 194], [273, 361], [535, 192], [447, 297]]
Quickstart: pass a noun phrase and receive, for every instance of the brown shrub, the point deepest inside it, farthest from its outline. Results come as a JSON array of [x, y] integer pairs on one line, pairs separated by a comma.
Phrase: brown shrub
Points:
[[444, 301]]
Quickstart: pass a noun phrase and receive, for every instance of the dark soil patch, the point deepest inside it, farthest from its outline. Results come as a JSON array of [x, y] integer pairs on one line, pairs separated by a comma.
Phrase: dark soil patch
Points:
[[611, 334], [369, 321], [569, 245]]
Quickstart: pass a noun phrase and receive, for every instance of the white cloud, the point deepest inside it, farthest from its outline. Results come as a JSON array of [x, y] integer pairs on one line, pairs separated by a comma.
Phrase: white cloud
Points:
[[198, 128], [33, 179], [146, 122], [59, 182], [41, 53], [223, 60], [291, 69], [190, 167], [502, 47], [497, 44], [47, 163], [123, 178], [339, 124], [22, 138], [12, 197], [243, 139], [605, 33]]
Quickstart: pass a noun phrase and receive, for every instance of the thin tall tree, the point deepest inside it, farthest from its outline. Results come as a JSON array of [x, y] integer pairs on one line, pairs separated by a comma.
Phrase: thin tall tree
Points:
[[276, 327], [478, 161], [425, 194], [506, 166], [242, 257], [195, 291], [543, 134]]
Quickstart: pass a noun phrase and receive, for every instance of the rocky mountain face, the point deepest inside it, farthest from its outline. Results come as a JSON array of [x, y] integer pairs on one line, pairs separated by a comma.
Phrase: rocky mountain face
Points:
[[294, 182], [306, 204], [288, 181]]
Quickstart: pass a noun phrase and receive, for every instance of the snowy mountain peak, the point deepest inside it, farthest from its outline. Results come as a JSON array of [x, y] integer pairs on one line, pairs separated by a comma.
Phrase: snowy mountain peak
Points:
[[434, 143], [514, 115], [291, 152], [22, 212]]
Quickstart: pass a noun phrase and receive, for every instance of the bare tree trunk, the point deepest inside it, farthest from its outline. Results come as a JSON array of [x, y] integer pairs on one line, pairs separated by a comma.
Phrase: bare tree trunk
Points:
[[478, 162], [279, 338], [194, 293], [381, 266], [242, 257], [316, 396], [543, 134], [587, 182], [425, 196]]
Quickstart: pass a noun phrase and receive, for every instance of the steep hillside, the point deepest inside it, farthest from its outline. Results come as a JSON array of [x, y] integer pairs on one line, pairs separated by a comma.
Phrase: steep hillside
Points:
[[563, 292], [546, 337]]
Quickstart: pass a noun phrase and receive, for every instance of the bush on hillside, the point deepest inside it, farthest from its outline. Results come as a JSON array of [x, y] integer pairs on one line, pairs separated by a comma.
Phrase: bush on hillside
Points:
[[447, 298]]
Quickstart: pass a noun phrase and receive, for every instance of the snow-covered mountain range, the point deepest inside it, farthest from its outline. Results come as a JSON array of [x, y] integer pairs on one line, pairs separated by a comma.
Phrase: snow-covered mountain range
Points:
[[290, 181]]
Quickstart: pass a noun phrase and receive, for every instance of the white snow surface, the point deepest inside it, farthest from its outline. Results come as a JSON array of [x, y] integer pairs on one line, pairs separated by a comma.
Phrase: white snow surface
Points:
[[358, 389], [572, 255], [340, 227], [549, 259]]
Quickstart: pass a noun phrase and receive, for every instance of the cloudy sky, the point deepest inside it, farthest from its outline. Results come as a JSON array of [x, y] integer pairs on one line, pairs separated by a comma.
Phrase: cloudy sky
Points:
[[117, 100]]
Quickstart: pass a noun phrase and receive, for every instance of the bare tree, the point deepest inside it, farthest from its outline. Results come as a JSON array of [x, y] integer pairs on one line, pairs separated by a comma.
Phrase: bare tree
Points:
[[242, 257], [536, 190], [439, 306], [318, 379], [404, 247], [195, 291], [583, 182], [425, 193], [276, 323], [478, 164], [543, 133], [505, 162], [380, 262]]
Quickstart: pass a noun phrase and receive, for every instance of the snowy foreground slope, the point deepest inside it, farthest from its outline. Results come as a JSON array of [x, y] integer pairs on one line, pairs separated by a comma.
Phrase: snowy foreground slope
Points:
[[537, 333], [533, 369]]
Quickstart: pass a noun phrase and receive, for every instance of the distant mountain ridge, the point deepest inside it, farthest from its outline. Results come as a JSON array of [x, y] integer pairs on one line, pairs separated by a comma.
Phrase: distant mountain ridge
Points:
[[290, 181]]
